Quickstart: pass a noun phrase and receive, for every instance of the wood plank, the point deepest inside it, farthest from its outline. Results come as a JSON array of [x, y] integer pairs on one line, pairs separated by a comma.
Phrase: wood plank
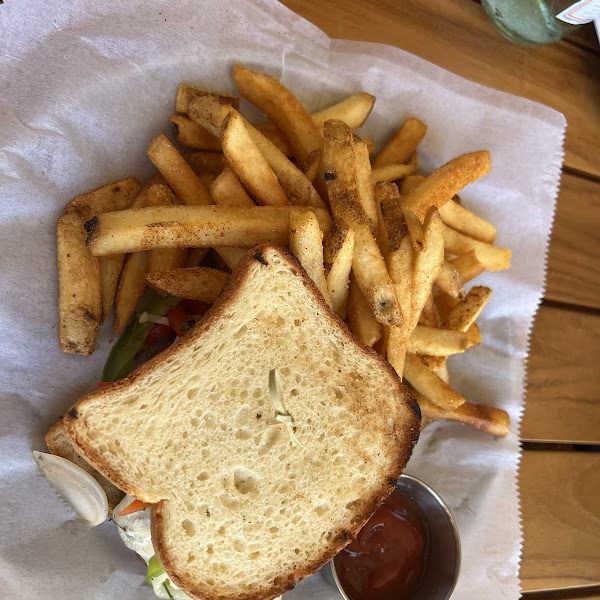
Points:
[[586, 38], [574, 258], [560, 501], [580, 593], [458, 37], [563, 389]]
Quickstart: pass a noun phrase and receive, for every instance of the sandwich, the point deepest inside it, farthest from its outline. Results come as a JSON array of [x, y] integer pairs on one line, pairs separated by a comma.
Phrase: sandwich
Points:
[[261, 442]]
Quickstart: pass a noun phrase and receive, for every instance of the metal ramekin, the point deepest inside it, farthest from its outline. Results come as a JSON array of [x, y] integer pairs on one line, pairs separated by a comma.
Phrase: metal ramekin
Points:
[[443, 563]]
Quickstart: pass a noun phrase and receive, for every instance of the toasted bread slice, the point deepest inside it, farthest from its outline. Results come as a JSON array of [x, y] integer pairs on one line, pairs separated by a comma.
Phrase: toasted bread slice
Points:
[[240, 510], [60, 445]]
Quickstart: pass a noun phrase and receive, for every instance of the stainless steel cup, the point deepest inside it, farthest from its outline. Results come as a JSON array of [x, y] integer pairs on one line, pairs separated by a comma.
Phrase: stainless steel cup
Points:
[[443, 561]]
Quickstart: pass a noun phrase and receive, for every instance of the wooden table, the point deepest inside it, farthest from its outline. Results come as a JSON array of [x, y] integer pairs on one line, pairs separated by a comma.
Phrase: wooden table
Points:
[[560, 471]]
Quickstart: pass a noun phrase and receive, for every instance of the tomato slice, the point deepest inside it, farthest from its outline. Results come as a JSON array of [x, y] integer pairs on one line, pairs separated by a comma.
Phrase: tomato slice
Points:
[[178, 316], [157, 333], [196, 307]]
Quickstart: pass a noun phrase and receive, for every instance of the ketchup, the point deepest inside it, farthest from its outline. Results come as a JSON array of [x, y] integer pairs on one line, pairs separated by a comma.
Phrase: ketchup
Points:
[[387, 558]]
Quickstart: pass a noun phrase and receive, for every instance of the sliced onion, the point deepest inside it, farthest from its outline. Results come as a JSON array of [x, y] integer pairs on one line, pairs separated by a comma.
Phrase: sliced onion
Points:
[[76, 486], [147, 317]]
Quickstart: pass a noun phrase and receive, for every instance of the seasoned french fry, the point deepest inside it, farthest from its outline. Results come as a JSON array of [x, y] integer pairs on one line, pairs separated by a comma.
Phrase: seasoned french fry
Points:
[[130, 289], [192, 226], [179, 175], [226, 190], [486, 418], [391, 223], [113, 196], [492, 258], [364, 182], [282, 108], [368, 264], [360, 318], [163, 259], [449, 280], [79, 288], [299, 190], [444, 303], [306, 244], [443, 374], [402, 144], [392, 172], [463, 315], [437, 342], [231, 256], [467, 266], [195, 256], [427, 265], [338, 251], [410, 183], [415, 228], [434, 363], [312, 165], [446, 181], [205, 162], [186, 93], [429, 384], [193, 283], [192, 135], [353, 110], [429, 316], [464, 221], [249, 164], [110, 269]]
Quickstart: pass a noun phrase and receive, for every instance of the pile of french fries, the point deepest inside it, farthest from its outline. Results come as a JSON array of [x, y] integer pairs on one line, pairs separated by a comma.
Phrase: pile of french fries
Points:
[[390, 250]]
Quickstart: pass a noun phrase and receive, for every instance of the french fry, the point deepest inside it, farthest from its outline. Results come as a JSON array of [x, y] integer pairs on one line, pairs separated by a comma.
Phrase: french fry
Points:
[[392, 172], [444, 303], [360, 318], [130, 289], [368, 264], [186, 93], [464, 221], [492, 258], [192, 135], [226, 190], [402, 144], [306, 244], [192, 226], [110, 269], [193, 283], [443, 373], [299, 190], [205, 162], [427, 265], [163, 259], [353, 110], [410, 183], [114, 196], [415, 228], [338, 252], [249, 164], [179, 175], [79, 288], [364, 182], [118, 195], [429, 316], [432, 341], [392, 227], [429, 384], [449, 280], [231, 256], [463, 315], [283, 109], [195, 256], [485, 418], [467, 266], [439, 187]]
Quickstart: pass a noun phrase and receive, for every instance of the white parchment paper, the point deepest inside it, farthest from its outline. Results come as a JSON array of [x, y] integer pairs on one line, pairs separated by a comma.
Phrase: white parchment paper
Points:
[[85, 86]]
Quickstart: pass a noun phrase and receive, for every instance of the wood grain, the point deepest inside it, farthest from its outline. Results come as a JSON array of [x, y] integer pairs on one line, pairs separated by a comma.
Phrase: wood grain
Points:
[[560, 501], [563, 389], [457, 36], [574, 258]]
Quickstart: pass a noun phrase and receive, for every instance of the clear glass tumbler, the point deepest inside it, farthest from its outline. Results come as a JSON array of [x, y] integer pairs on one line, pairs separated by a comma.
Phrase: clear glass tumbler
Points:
[[533, 22]]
